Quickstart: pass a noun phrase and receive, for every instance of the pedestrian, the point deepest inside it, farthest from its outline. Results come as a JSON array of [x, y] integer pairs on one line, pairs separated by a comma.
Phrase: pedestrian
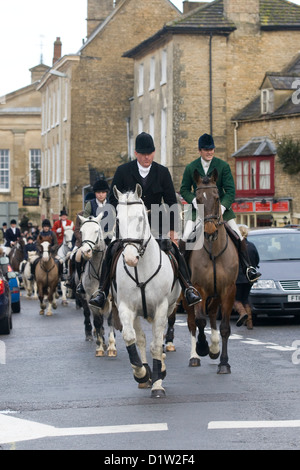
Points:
[[157, 186], [243, 286], [205, 164], [60, 225]]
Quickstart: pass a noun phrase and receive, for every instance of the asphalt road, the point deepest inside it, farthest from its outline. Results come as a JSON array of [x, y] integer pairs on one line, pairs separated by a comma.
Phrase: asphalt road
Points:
[[56, 395]]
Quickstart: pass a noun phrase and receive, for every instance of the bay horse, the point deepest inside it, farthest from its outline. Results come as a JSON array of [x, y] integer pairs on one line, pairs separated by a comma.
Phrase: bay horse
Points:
[[144, 286], [93, 250], [214, 269], [16, 254], [46, 275]]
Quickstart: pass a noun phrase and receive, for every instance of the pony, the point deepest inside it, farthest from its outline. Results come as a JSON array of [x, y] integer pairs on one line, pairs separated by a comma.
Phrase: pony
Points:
[[63, 254], [144, 285], [16, 254], [214, 269], [93, 250], [47, 276]]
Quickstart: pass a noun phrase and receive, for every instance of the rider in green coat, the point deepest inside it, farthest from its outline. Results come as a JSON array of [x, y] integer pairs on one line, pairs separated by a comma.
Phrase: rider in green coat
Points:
[[205, 165]]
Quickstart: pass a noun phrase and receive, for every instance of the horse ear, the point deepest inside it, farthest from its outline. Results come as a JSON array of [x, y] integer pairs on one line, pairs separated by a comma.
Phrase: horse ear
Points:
[[99, 217], [138, 190], [116, 192], [81, 218], [196, 176], [214, 175]]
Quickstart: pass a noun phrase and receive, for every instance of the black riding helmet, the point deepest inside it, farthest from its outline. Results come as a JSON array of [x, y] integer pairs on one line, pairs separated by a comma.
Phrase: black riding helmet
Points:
[[46, 223]]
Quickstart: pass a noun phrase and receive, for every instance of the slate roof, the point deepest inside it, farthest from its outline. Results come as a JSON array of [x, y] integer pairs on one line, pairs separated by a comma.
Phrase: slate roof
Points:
[[258, 146], [280, 81], [210, 18]]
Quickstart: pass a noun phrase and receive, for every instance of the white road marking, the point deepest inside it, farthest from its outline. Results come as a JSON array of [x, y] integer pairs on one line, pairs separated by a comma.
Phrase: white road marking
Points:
[[15, 429], [253, 424]]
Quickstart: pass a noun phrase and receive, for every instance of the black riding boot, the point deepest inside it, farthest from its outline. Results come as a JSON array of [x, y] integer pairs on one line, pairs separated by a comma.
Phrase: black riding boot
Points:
[[79, 268], [251, 273], [191, 294], [104, 283], [32, 269]]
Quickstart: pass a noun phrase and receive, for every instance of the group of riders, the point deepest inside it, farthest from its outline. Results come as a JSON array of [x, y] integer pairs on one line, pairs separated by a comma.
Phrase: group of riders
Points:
[[157, 188]]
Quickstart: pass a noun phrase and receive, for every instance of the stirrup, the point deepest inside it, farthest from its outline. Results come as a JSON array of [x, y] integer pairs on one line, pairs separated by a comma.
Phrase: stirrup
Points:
[[195, 294], [252, 275]]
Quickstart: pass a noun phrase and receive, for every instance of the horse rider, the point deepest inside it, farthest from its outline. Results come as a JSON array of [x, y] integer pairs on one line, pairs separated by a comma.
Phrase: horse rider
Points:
[[205, 165], [30, 246], [60, 225], [11, 235], [75, 261], [94, 207], [157, 184], [46, 232]]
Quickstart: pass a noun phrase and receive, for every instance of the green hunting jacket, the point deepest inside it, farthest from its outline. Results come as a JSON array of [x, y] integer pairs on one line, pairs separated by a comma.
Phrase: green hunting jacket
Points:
[[225, 184]]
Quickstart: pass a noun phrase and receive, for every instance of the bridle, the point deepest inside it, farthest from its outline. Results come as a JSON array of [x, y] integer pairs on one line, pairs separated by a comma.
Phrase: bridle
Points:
[[214, 218], [91, 243], [139, 243]]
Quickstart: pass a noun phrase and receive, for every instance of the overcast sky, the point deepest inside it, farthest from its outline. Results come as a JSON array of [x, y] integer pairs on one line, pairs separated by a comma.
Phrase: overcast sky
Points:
[[28, 30]]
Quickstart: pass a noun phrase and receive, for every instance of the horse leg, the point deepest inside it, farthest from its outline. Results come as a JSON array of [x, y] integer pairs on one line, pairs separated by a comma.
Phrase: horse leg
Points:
[[140, 372], [111, 350], [141, 344], [87, 320], [41, 299], [202, 348], [227, 304], [158, 356], [100, 340], [170, 331], [63, 293], [50, 303], [214, 348], [194, 360]]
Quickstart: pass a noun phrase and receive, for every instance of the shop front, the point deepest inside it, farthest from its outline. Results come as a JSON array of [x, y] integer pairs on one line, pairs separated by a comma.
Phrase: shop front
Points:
[[263, 213]]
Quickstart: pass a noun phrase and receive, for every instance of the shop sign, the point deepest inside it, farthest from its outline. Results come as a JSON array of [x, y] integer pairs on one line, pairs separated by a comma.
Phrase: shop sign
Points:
[[30, 196], [263, 207], [281, 206], [246, 206]]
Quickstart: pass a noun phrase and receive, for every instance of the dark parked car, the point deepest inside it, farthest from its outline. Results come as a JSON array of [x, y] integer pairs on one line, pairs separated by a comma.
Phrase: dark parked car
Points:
[[277, 292], [5, 306]]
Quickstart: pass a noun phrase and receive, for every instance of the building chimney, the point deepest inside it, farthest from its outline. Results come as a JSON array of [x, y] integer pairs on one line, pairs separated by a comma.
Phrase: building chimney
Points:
[[57, 50], [242, 11]]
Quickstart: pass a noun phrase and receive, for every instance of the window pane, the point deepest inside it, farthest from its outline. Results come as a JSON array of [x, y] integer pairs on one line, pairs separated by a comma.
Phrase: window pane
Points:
[[239, 182], [253, 174], [264, 174], [245, 175], [35, 167], [4, 169]]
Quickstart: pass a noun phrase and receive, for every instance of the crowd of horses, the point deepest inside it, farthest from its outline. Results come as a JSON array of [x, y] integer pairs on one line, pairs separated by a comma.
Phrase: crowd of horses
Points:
[[145, 286]]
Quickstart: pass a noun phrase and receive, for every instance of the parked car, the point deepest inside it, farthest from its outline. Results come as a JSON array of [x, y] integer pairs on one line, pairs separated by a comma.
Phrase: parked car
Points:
[[277, 292], [5, 306], [13, 282]]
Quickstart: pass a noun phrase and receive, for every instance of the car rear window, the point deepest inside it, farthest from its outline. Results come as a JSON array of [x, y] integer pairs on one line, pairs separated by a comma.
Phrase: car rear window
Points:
[[279, 246]]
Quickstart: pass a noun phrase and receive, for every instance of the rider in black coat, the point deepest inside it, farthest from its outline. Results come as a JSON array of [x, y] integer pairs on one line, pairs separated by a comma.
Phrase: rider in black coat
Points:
[[158, 188]]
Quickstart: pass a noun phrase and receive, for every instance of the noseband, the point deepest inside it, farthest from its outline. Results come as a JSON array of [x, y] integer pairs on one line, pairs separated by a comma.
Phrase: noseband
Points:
[[91, 243]]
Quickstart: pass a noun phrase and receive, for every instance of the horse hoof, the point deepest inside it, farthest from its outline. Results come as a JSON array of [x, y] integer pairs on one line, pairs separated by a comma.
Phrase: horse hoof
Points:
[[42, 312], [64, 303], [49, 314], [100, 353], [112, 353], [214, 355], [145, 384], [170, 348], [194, 362], [89, 337], [224, 369], [158, 393], [54, 306]]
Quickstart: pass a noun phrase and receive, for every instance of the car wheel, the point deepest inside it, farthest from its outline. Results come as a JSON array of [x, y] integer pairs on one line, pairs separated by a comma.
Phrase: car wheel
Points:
[[5, 326], [16, 307]]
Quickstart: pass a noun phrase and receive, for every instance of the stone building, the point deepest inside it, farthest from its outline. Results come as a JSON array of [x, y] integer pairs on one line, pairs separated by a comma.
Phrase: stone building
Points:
[[20, 144], [97, 84], [198, 72]]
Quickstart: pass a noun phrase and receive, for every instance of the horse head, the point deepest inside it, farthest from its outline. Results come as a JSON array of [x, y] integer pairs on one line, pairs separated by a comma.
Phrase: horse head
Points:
[[92, 235], [68, 236], [133, 225], [207, 194]]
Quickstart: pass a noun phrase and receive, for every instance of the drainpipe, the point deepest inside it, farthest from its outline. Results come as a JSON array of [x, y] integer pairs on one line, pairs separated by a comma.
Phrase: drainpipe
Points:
[[210, 85], [236, 125]]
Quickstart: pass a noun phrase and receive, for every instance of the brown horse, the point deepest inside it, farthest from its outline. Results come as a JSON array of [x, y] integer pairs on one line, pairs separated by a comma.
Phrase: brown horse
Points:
[[46, 275], [214, 269], [16, 254]]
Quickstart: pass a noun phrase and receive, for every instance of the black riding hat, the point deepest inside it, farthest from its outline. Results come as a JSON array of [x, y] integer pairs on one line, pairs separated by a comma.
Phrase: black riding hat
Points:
[[144, 143], [101, 185], [46, 223], [206, 142]]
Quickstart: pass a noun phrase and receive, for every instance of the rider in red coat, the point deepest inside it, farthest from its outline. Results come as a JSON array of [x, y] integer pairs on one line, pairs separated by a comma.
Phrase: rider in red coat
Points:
[[59, 226]]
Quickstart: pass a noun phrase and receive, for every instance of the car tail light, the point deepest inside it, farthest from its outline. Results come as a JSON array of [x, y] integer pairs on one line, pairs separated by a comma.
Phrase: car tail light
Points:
[[2, 286]]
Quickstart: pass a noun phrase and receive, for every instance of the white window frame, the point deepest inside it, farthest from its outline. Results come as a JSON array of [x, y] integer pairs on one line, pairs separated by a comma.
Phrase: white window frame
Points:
[[34, 159], [163, 138], [141, 80], [163, 79], [152, 74], [152, 125], [4, 170], [140, 125], [267, 101]]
